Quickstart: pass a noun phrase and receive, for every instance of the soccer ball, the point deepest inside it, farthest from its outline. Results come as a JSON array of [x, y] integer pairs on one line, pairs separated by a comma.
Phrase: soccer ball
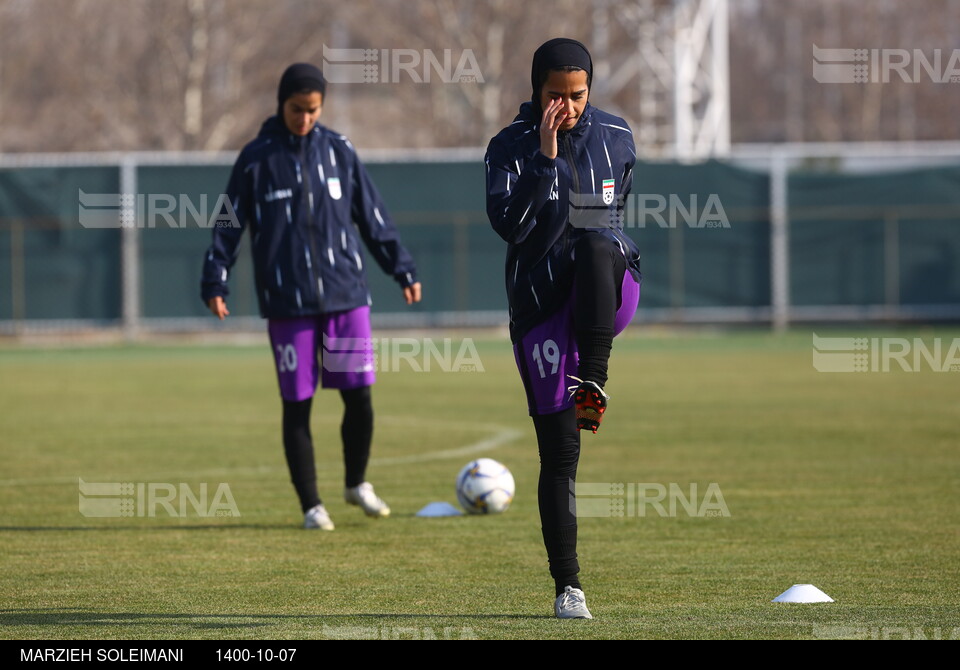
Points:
[[485, 486]]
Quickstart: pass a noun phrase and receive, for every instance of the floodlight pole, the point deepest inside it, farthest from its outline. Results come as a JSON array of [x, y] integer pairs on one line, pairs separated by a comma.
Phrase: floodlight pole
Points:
[[681, 68], [701, 107]]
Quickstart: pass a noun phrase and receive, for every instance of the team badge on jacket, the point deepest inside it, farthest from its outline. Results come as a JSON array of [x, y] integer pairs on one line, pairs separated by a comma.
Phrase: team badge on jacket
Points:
[[333, 185], [608, 187]]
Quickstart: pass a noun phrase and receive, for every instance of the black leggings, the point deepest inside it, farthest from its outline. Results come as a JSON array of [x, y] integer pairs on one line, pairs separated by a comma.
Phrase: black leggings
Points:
[[558, 441], [356, 432], [600, 268], [598, 286]]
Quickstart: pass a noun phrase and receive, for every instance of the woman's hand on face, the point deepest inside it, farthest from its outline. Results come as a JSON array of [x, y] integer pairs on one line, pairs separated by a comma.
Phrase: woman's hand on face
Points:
[[553, 117]]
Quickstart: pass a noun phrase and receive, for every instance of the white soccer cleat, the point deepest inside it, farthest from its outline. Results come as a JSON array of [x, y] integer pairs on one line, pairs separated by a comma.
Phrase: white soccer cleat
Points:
[[364, 496], [317, 517], [571, 604]]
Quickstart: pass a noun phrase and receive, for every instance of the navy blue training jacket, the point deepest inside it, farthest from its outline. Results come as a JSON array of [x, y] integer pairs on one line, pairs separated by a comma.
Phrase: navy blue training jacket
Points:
[[528, 204], [308, 201]]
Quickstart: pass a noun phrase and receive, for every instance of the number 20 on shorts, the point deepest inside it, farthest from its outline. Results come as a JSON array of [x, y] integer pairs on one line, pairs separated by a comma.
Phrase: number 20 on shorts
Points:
[[286, 358]]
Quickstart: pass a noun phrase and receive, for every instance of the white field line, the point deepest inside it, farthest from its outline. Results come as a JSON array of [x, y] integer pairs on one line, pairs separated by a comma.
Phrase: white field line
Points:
[[504, 436], [499, 438]]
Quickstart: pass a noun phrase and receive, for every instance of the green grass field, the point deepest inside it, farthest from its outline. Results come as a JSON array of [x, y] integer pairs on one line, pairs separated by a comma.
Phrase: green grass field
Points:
[[846, 481]]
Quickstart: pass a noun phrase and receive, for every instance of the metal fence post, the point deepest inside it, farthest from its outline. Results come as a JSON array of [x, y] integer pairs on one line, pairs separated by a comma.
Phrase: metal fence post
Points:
[[891, 261], [675, 251], [18, 284], [461, 255], [129, 248], [779, 244]]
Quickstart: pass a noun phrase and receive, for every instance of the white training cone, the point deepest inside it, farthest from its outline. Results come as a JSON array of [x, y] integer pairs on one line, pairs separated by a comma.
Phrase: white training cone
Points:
[[803, 593], [439, 509]]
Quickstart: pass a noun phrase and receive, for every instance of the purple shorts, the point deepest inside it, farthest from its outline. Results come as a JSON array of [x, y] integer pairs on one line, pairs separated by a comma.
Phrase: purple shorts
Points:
[[347, 355], [547, 355]]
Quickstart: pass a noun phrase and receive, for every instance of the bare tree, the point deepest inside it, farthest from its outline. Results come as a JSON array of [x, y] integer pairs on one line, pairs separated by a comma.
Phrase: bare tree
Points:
[[202, 74]]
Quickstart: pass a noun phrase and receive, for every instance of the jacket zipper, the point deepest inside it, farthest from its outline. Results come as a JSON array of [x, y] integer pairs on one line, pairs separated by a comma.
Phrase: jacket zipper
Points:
[[568, 146], [305, 204], [568, 150]]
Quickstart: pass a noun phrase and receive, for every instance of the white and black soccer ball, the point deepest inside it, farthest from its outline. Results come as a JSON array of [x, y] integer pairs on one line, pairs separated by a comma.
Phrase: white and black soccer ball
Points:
[[485, 486]]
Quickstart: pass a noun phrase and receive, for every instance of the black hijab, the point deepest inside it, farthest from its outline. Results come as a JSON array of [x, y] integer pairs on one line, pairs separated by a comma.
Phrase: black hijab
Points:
[[297, 78], [557, 53]]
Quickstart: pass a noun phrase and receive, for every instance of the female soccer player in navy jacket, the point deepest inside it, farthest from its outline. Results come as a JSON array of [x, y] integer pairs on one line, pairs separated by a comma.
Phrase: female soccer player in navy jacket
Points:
[[300, 188], [557, 178]]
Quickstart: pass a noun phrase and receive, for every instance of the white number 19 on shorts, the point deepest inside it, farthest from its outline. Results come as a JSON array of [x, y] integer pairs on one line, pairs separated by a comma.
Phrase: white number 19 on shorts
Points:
[[551, 352]]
